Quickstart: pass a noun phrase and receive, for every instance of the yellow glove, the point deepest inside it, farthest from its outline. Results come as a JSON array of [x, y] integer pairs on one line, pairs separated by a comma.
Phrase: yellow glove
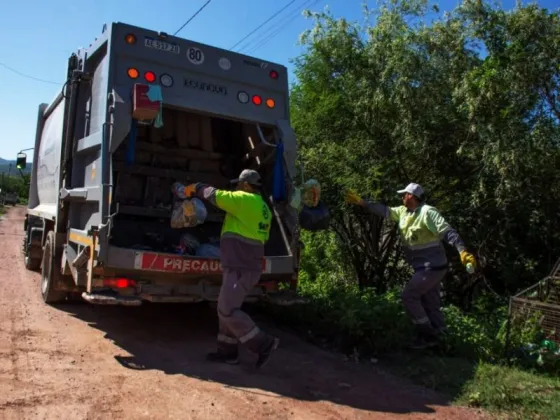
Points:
[[190, 190], [468, 258], [351, 197]]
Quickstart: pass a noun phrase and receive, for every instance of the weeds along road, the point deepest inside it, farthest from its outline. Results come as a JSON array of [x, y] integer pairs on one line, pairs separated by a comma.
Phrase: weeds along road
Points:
[[78, 361]]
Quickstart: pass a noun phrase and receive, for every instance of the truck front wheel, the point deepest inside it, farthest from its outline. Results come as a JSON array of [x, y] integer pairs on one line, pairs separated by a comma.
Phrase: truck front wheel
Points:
[[50, 274]]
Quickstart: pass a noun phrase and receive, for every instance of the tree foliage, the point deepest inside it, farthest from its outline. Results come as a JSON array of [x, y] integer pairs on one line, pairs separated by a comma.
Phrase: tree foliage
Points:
[[16, 184], [467, 104]]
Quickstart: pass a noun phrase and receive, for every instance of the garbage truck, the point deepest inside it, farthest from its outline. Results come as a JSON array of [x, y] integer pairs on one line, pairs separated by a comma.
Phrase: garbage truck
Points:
[[139, 111]]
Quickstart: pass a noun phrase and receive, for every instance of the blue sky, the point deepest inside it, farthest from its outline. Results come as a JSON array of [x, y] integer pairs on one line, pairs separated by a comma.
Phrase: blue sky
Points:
[[37, 36]]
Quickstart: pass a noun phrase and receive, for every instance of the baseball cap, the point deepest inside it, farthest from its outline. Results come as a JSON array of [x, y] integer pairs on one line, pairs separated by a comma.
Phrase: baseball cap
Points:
[[249, 176], [414, 189]]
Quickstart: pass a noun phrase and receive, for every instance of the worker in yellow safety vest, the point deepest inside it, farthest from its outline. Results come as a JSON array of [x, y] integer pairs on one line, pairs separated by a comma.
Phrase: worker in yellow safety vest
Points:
[[422, 230], [245, 230]]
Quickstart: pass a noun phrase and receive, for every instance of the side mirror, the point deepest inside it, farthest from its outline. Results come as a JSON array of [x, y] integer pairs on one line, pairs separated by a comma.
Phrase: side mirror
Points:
[[21, 161]]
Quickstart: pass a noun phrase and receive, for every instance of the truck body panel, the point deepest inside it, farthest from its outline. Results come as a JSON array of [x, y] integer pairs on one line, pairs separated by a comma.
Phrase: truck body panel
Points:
[[102, 180]]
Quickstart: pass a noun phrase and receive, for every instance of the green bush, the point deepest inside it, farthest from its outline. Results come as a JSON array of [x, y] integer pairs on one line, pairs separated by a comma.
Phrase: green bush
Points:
[[358, 321]]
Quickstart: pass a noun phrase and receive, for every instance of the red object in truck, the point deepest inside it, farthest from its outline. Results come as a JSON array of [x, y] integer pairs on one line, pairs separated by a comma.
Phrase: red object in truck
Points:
[[142, 107]]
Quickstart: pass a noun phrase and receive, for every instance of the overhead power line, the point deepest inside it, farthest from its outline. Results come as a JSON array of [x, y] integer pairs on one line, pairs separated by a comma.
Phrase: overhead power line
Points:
[[262, 24], [19, 73], [274, 29], [279, 27], [192, 17]]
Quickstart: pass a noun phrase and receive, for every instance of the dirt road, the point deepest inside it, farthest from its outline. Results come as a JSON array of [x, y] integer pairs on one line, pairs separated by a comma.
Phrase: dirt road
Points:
[[78, 361]]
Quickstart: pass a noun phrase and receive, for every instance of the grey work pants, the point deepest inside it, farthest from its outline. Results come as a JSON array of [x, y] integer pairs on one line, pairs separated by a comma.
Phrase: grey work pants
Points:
[[421, 298], [235, 326]]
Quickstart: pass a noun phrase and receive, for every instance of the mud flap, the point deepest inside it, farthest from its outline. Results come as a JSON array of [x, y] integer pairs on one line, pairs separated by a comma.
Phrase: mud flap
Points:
[[110, 298]]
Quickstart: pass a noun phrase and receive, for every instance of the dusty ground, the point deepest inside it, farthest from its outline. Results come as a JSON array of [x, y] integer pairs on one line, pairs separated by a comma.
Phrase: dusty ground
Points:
[[80, 361]]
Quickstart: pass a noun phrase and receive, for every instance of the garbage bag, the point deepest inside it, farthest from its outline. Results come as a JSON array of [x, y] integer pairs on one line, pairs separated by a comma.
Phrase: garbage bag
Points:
[[188, 213], [188, 244], [315, 218], [178, 190], [311, 194], [208, 251]]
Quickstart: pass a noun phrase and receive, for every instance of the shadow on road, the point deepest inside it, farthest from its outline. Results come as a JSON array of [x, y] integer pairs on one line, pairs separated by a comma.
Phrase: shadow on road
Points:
[[175, 338]]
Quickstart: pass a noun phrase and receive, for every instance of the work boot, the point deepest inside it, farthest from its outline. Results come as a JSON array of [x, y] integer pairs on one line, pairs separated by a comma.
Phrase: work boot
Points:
[[222, 356], [426, 337], [264, 355]]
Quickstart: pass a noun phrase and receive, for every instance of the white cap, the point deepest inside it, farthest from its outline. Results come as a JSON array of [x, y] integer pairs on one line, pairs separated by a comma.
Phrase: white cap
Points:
[[414, 189]]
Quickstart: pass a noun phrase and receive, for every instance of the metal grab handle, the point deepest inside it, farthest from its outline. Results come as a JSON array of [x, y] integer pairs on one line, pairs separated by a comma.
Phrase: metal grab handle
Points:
[[261, 135]]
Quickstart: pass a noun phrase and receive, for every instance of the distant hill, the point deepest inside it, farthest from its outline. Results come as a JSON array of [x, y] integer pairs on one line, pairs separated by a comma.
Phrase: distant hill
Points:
[[5, 167]]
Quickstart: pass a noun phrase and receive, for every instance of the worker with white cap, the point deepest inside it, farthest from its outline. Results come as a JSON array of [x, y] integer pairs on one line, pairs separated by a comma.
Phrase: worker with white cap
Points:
[[422, 230]]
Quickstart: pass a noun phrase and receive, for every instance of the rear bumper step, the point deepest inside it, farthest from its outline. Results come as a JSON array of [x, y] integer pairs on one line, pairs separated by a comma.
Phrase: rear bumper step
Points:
[[111, 299]]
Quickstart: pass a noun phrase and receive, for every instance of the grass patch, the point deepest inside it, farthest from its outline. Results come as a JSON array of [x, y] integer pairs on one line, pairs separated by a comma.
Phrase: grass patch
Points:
[[519, 393], [508, 392], [2, 210]]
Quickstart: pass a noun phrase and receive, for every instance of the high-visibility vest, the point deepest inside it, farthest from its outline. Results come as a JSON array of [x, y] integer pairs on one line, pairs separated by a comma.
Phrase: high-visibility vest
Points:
[[247, 214], [420, 229]]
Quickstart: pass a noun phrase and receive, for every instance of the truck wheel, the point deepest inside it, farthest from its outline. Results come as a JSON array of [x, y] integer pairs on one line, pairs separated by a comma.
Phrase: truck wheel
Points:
[[32, 264], [50, 274]]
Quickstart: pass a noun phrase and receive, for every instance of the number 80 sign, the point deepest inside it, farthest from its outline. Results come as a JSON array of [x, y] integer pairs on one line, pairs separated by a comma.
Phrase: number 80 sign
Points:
[[195, 55]]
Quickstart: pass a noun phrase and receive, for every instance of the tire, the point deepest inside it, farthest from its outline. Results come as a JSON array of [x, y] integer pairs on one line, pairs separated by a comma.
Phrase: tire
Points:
[[32, 264], [50, 274]]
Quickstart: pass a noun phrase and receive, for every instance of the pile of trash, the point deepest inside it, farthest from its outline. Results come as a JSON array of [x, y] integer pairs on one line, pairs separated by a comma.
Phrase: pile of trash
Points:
[[545, 354], [189, 213], [190, 245]]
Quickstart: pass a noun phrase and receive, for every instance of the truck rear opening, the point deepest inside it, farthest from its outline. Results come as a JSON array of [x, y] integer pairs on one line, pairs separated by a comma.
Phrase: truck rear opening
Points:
[[188, 148]]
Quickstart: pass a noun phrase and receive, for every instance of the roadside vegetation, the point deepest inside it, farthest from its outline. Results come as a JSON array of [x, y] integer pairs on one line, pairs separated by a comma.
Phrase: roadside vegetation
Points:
[[466, 104]]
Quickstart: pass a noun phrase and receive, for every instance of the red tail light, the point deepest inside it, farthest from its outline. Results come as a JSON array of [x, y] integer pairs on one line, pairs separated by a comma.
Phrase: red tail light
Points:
[[119, 283], [257, 100], [273, 74], [150, 77]]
